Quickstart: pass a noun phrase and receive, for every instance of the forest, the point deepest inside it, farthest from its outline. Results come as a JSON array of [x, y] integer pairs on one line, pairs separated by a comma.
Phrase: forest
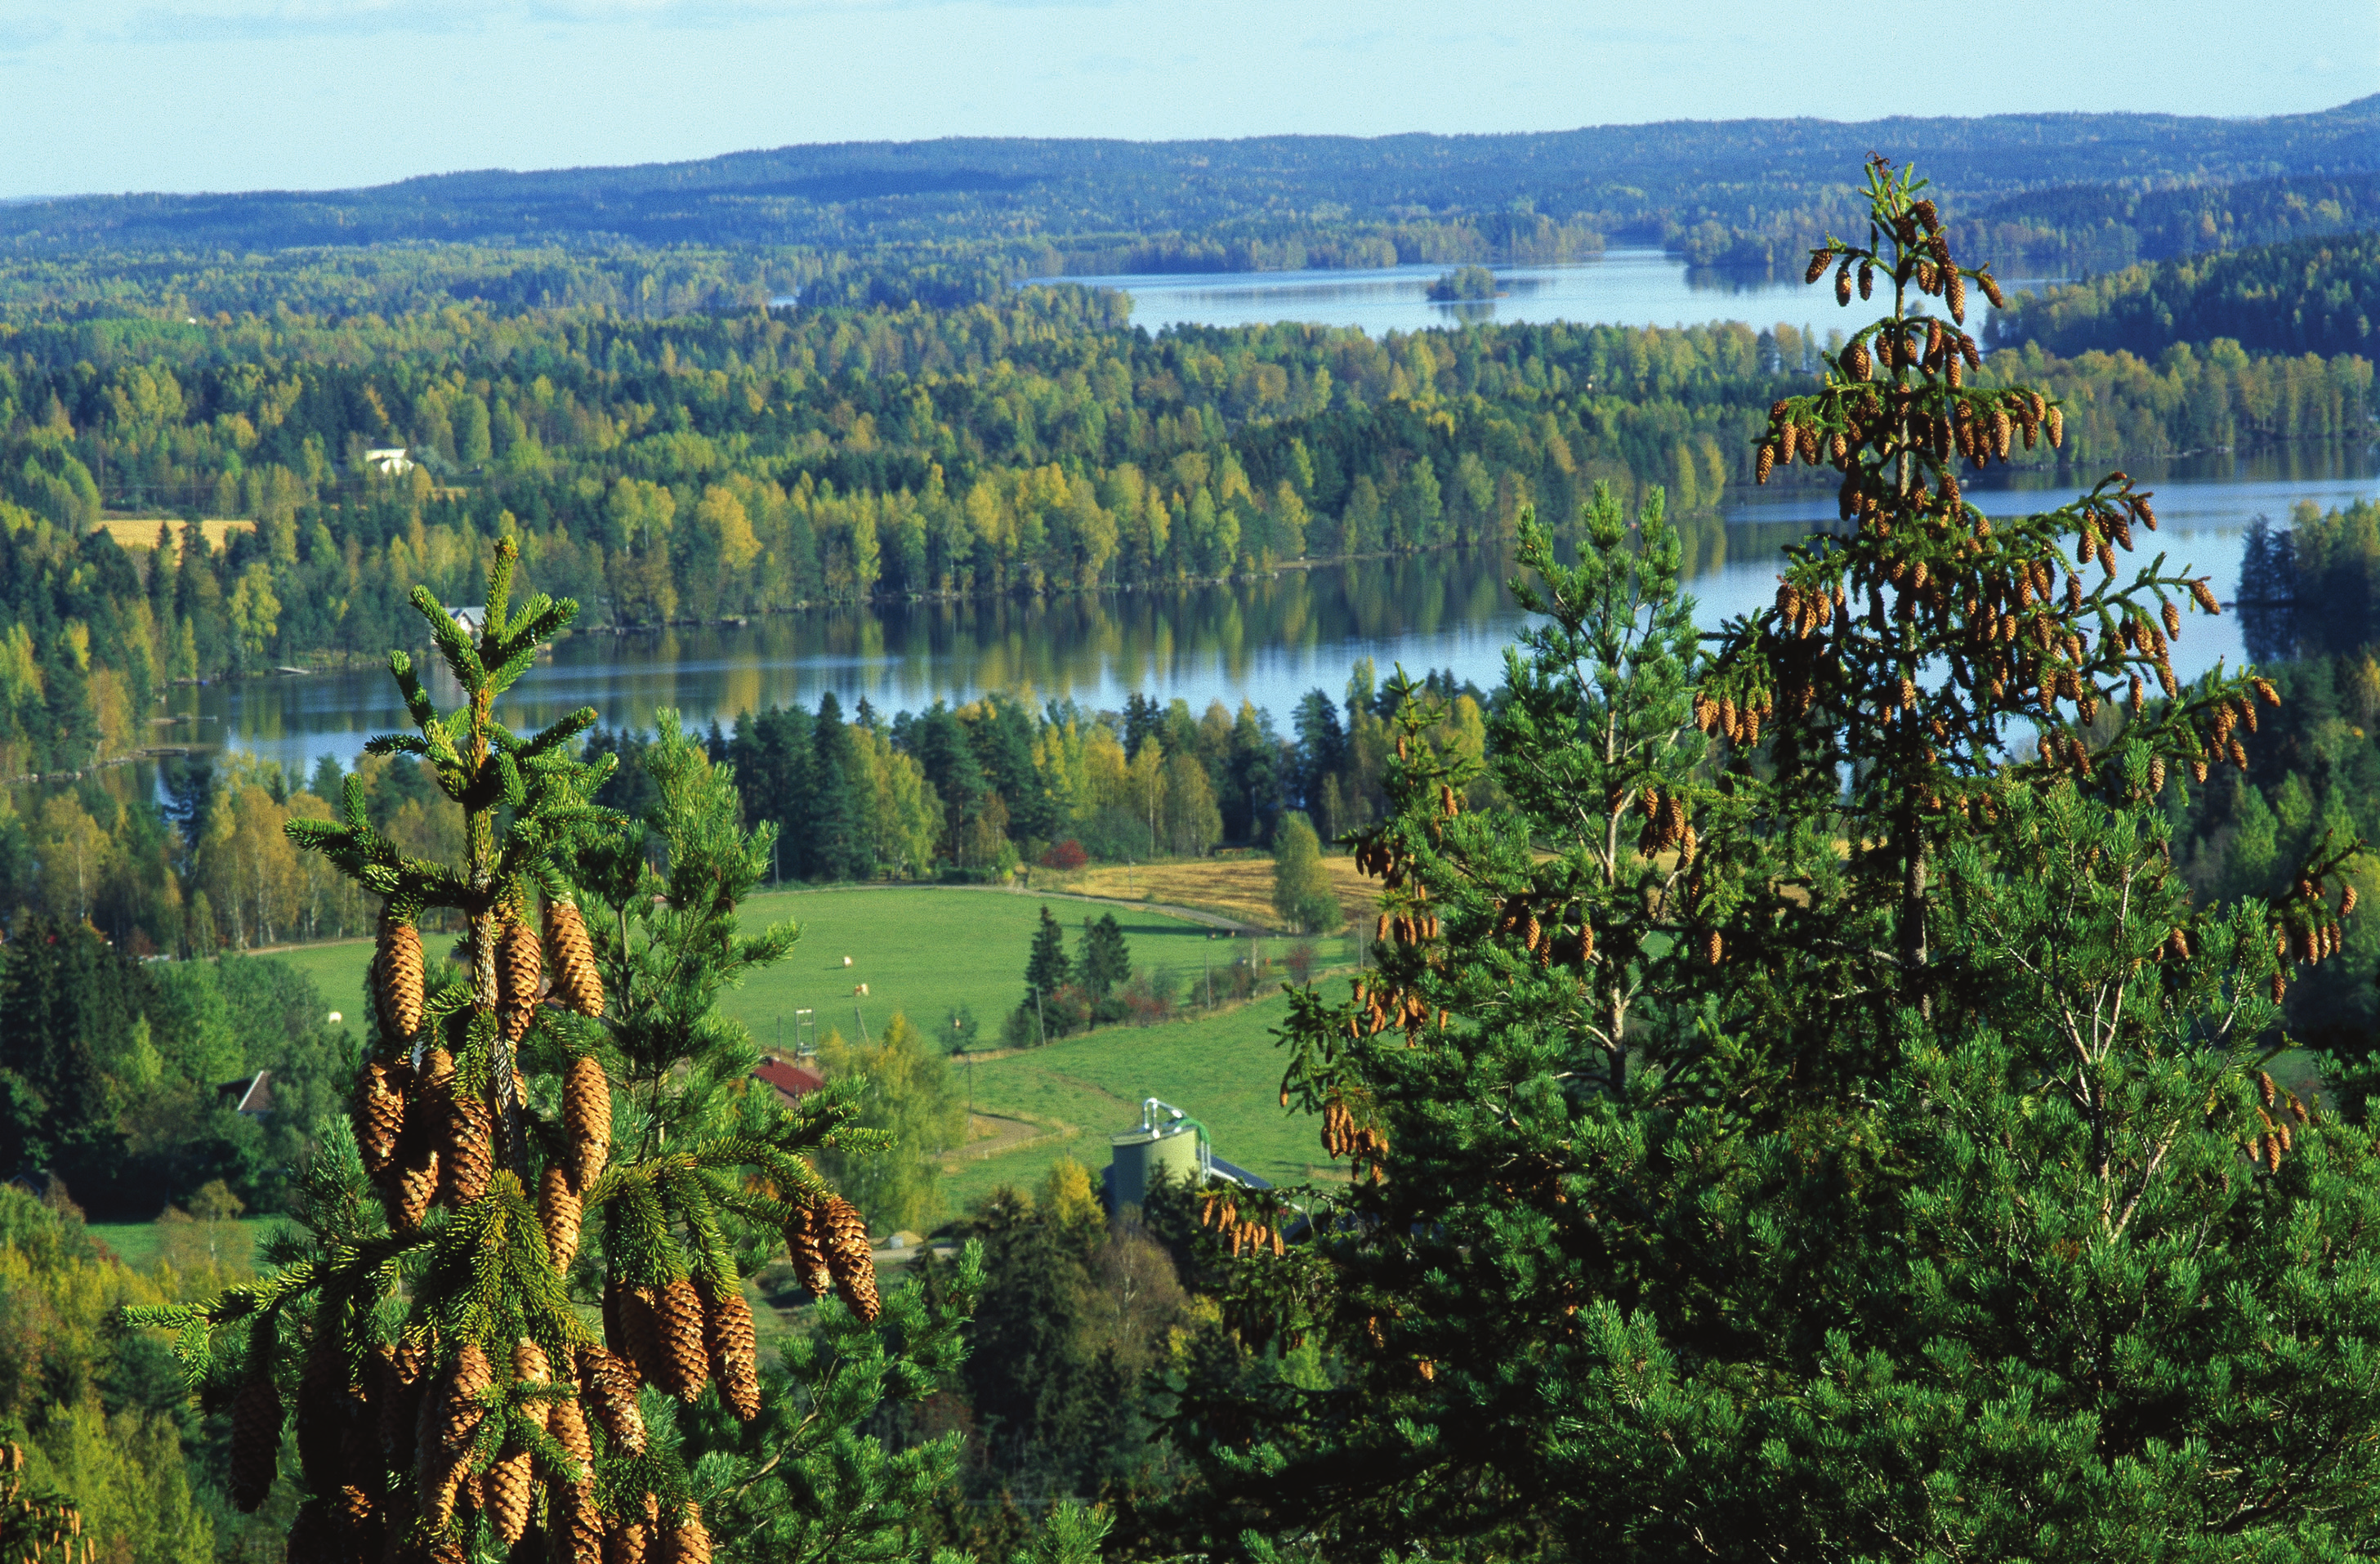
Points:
[[1888, 1077], [707, 466], [2310, 296], [1745, 194]]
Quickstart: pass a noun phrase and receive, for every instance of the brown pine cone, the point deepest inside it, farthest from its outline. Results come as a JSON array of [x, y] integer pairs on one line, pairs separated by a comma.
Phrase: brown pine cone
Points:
[[611, 1394], [567, 1423], [575, 1533], [456, 1412], [574, 978], [733, 1352], [558, 1213], [849, 1257], [530, 1367], [508, 1501], [640, 1334], [519, 971], [804, 1242], [586, 1114], [627, 1542], [397, 978], [678, 1313], [468, 1156], [379, 1114], [689, 1541], [417, 1181], [255, 1442]]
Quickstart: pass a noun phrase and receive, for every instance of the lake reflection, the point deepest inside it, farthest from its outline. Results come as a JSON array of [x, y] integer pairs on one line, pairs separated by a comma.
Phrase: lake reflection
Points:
[[1267, 640]]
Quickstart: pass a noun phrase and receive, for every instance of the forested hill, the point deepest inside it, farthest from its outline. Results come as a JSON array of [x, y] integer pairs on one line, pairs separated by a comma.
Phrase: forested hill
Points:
[[2318, 296], [1726, 192]]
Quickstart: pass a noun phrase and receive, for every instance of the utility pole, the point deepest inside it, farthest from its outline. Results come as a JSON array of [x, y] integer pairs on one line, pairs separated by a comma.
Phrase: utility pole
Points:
[[1040, 1027]]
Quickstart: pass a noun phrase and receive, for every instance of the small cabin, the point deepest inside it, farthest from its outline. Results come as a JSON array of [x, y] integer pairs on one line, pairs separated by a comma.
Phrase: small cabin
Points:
[[791, 1081], [252, 1095], [389, 461]]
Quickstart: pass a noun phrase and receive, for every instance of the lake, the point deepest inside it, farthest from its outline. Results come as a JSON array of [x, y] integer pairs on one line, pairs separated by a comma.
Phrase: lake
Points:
[[1266, 640], [1625, 288]]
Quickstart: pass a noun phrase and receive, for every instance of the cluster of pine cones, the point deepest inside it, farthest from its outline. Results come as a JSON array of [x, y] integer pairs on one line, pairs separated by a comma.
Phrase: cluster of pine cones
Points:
[[425, 1140], [37, 1530], [511, 1452], [684, 1334], [828, 1240]]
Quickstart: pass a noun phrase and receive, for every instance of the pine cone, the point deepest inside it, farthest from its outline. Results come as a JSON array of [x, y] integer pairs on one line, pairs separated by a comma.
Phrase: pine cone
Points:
[[640, 1334], [530, 1367], [573, 1531], [519, 970], [558, 1213], [396, 971], [417, 1181], [586, 1114], [804, 1243], [508, 1496], [575, 977], [567, 1423], [255, 1442], [469, 1156], [612, 1382], [735, 1353], [849, 1258], [689, 1542], [457, 1412], [678, 1315], [628, 1541], [379, 1114]]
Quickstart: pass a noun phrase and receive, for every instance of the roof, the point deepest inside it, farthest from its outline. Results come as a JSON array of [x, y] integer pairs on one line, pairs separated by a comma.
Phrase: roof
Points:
[[253, 1095], [793, 1082]]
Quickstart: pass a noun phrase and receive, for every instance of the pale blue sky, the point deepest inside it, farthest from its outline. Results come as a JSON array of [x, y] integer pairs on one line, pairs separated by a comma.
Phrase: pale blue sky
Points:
[[240, 94]]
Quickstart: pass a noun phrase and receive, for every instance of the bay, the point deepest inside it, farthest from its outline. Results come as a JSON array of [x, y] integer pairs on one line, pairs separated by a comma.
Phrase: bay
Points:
[[1266, 640]]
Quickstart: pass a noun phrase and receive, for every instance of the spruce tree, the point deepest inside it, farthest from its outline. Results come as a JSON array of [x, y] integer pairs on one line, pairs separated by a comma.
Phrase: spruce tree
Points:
[[451, 1397], [1105, 963], [1802, 1124], [1047, 969]]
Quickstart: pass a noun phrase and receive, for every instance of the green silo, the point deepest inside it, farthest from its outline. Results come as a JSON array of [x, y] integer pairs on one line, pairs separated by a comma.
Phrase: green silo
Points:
[[1164, 1138]]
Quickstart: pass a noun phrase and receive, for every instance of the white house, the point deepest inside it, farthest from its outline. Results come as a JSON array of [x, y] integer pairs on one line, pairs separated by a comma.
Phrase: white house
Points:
[[389, 461]]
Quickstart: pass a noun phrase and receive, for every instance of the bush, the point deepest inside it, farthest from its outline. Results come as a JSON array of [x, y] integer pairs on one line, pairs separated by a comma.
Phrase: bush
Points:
[[1066, 854]]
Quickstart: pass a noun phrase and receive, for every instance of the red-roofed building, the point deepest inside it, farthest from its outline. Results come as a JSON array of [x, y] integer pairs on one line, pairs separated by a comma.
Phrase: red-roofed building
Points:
[[790, 1081]]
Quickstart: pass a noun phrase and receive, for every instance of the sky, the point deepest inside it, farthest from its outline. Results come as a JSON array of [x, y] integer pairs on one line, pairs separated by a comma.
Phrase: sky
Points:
[[110, 95]]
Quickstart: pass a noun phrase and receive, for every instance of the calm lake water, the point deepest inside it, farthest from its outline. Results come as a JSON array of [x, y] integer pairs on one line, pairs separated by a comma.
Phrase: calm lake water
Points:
[[1625, 288], [1268, 641]]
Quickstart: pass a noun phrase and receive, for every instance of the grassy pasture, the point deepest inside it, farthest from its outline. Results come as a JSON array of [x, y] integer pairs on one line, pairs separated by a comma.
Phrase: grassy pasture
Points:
[[925, 950]]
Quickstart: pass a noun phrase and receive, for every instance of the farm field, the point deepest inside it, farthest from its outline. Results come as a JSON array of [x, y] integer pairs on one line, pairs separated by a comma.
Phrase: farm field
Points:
[[924, 951], [1237, 888], [920, 949], [1222, 1069]]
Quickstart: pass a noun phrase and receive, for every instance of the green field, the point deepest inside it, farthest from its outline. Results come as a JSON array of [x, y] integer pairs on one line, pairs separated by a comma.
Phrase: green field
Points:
[[926, 950], [1223, 1070], [136, 1243], [922, 949]]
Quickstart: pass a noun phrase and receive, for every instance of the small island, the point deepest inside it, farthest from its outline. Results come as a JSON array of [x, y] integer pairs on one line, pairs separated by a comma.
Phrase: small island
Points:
[[1463, 283]]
